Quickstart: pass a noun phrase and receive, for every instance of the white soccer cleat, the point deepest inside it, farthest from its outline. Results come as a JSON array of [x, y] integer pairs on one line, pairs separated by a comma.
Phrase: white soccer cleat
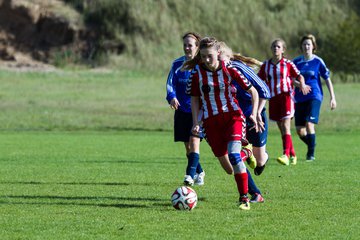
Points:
[[188, 181], [199, 178]]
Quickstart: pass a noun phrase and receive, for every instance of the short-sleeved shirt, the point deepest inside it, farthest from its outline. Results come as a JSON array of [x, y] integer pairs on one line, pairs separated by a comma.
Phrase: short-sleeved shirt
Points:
[[215, 89], [279, 76], [312, 70]]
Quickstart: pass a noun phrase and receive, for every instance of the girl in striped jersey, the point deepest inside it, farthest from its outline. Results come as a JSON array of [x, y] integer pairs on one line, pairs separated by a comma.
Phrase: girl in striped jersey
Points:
[[278, 72], [223, 121]]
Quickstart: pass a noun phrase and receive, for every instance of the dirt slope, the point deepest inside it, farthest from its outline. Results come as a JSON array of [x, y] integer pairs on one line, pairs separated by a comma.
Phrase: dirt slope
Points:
[[33, 32]]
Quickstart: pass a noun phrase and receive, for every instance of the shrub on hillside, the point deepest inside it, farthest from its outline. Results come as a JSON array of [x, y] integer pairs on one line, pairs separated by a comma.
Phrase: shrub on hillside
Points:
[[341, 49]]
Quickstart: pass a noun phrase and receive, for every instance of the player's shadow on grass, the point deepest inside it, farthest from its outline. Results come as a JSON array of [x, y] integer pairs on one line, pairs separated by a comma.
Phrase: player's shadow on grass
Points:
[[80, 183], [68, 201], [148, 161], [157, 160]]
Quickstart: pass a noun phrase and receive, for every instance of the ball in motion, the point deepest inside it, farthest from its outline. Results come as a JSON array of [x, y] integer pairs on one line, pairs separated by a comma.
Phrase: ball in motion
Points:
[[184, 198]]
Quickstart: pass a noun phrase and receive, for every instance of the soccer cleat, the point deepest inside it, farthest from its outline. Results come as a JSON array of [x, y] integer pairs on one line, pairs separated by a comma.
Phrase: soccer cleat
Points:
[[257, 198], [284, 160], [258, 170], [199, 178], [244, 203], [188, 181], [251, 160], [310, 158], [293, 160]]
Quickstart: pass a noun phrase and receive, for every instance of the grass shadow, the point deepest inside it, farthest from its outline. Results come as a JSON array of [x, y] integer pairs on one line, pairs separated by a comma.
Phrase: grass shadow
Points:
[[81, 183], [74, 201]]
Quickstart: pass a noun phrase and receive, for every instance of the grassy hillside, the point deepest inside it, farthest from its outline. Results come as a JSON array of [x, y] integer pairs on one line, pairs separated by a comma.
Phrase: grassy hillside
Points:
[[151, 30]]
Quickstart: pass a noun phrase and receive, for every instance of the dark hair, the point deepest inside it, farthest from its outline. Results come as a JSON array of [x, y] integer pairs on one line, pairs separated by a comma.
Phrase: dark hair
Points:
[[311, 38], [194, 35], [206, 42]]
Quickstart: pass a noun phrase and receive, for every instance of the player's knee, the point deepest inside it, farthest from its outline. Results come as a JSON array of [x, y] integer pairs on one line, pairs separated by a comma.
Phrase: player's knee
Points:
[[239, 168], [234, 158]]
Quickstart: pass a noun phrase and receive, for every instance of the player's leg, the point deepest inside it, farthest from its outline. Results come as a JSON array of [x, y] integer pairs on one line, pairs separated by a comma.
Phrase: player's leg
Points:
[[276, 113], [188, 179], [254, 191], [301, 114], [262, 157], [258, 141], [311, 139], [252, 188], [194, 161], [225, 164], [310, 127], [240, 173], [236, 131], [182, 127], [284, 127], [287, 112]]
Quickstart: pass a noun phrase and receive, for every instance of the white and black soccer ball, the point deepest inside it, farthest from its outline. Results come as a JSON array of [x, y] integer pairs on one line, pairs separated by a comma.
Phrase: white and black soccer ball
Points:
[[184, 198]]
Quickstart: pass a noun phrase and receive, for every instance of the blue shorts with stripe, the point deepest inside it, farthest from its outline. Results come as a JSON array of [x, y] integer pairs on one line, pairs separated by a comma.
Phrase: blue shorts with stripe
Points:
[[257, 139], [308, 111]]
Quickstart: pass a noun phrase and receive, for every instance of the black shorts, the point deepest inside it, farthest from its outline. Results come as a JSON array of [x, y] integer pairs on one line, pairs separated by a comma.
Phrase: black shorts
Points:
[[182, 126]]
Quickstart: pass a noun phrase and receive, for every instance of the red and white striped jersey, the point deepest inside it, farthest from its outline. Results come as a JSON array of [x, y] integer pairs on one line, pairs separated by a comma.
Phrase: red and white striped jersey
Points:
[[279, 76], [215, 90]]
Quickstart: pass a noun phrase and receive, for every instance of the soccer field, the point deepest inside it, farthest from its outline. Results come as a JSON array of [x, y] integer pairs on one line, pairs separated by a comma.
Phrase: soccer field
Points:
[[65, 175], [117, 185]]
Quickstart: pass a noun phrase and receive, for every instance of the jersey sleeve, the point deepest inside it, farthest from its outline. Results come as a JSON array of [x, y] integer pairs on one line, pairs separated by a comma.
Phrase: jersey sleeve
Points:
[[236, 75], [170, 84], [324, 71], [293, 70], [192, 87], [255, 80], [261, 72]]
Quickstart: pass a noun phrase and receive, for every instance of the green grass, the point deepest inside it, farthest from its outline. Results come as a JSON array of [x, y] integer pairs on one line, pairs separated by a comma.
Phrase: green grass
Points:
[[103, 100], [65, 100], [71, 169], [117, 185]]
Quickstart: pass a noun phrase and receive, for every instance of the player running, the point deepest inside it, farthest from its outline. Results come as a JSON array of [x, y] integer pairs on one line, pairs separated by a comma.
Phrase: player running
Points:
[[223, 121]]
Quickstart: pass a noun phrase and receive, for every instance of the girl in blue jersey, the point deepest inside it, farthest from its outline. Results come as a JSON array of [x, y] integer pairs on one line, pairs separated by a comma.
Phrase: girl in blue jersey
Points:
[[256, 139], [307, 107], [179, 101]]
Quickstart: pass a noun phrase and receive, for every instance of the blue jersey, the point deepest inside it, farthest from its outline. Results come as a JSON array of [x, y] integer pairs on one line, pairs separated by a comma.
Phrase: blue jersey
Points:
[[244, 98], [312, 70], [176, 85]]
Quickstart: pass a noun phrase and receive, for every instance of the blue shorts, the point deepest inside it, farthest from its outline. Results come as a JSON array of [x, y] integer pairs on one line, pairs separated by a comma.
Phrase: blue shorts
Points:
[[257, 139], [307, 111], [182, 126]]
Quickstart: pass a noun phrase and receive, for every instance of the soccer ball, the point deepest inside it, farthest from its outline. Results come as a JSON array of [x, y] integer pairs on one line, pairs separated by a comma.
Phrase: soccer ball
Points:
[[184, 198]]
